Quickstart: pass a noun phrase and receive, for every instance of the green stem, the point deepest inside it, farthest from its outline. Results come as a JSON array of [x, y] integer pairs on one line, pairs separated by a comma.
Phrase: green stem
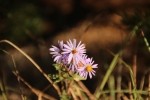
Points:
[[3, 90], [107, 75]]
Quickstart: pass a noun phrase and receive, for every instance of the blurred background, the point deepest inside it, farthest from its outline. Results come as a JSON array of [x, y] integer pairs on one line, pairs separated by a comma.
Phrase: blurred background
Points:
[[35, 25]]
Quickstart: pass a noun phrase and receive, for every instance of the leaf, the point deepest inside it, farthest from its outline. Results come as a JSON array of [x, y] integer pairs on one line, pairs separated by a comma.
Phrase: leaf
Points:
[[57, 66], [77, 77]]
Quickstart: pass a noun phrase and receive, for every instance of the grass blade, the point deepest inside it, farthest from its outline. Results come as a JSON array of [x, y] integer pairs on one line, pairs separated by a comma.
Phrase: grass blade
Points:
[[107, 75], [34, 63]]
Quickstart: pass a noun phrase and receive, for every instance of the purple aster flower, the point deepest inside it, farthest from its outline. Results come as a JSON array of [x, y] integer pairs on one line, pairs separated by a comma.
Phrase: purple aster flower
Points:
[[72, 55], [56, 52], [88, 68], [74, 50], [81, 63]]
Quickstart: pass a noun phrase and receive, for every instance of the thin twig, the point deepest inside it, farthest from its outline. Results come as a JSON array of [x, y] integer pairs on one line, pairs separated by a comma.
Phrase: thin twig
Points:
[[34, 63], [111, 85], [130, 89], [134, 68], [146, 41], [142, 82], [84, 88], [149, 85], [15, 69], [34, 90], [143, 79], [2, 88], [144, 92], [73, 94], [119, 79], [128, 67]]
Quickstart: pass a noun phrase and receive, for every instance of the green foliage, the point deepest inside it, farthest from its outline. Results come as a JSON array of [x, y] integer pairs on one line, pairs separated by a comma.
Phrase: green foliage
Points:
[[65, 96], [24, 21], [64, 74], [77, 77]]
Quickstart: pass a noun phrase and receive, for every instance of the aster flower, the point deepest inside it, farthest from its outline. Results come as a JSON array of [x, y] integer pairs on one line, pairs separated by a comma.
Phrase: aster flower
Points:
[[88, 69], [74, 50], [72, 55], [81, 63], [56, 52]]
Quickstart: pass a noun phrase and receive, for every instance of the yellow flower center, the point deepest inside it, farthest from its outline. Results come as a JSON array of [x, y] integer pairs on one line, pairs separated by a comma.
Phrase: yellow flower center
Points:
[[74, 51], [89, 68]]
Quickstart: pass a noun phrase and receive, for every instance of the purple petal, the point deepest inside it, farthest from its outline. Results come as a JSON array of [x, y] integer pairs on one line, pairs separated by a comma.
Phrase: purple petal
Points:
[[66, 46], [74, 42], [70, 58], [90, 75]]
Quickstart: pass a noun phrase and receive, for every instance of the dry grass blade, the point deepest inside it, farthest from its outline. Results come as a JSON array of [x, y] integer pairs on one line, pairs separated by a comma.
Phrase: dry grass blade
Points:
[[134, 68], [111, 84], [119, 80], [146, 41], [15, 69], [34, 63], [89, 94], [34, 90], [2, 88]]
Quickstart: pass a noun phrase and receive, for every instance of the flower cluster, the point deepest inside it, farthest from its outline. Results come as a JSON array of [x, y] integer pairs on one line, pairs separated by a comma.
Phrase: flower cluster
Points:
[[73, 56]]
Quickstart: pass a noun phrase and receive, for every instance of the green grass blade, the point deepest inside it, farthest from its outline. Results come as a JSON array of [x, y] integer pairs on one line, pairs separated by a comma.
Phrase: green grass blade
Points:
[[107, 75], [3, 91], [146, 41], [111, 84], [132, 78]]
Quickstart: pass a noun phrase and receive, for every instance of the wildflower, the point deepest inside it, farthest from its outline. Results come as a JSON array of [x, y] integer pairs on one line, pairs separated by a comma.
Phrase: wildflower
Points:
[[88, 69], [74, 50], [82, 62], [56, 52], [72, 56]]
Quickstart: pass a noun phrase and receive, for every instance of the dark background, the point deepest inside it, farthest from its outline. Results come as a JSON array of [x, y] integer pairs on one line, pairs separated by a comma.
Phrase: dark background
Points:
[[35, 25]]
